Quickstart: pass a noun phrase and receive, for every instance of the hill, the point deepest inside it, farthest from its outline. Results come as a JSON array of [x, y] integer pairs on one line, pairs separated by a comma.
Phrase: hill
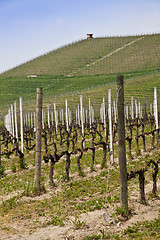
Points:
[[96, 56]]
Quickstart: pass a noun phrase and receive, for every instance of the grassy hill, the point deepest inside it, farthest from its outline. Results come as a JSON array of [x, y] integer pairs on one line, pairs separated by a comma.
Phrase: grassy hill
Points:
[[96, 56]]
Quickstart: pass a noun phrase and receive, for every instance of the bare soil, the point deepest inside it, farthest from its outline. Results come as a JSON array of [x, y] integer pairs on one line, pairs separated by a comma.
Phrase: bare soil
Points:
[[93, 221]]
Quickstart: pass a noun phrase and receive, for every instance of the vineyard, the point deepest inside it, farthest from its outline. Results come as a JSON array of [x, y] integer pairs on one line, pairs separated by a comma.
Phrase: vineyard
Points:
[[73, 142], [80, 189]]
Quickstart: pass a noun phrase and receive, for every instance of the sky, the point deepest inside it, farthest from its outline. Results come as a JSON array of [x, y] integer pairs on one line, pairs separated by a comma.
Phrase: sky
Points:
[[30, 28]]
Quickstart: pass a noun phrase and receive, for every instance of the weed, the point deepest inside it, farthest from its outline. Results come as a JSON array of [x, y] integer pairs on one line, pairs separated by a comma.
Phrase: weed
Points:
[[2, 171], [22, 164], [102, 235], [55, 221], [129, 230], [27, 189], [130, 155], [14, 168], [78, 224], [121, 211], [138, 151], [10, 203], [5, 229], [37, 192]]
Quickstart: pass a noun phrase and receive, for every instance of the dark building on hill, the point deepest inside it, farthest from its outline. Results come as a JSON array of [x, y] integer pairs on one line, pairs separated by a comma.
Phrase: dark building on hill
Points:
[[89, 35]]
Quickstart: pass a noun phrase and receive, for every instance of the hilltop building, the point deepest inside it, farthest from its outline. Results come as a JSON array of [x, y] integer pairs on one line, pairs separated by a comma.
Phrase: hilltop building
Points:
[[89, 35]]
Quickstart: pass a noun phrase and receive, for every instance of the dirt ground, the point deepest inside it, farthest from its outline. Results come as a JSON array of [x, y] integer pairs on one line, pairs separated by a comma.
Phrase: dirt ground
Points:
[[94, 222]]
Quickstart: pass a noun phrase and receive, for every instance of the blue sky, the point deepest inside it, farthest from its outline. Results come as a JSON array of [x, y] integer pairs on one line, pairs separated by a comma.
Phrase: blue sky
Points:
[[30, 28]]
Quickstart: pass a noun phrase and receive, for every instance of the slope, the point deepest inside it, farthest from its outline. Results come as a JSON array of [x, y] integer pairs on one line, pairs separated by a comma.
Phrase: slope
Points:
[[96, 56]]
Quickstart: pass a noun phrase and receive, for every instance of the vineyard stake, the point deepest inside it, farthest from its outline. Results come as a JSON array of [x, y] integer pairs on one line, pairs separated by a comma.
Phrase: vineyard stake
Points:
[[56, 118], [78, 115], [139, 109], [115, 112], [66, 103], [0, 153], [132, 110], [31, 120], [48, 116], [42, 119], [90, 115], [104, 115], [151, 108], [156, 112], [121, 144], [15, 117], [62, 116], [136, 106], [38, 140], [127, 112], [82, 119], [34, 121], [110, 126], [12, 122], [21, 124]]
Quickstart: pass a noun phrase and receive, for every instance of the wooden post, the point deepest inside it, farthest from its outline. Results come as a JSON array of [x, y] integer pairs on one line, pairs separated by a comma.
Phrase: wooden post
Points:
[[121, 144], [110, 126], [38, 140]]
